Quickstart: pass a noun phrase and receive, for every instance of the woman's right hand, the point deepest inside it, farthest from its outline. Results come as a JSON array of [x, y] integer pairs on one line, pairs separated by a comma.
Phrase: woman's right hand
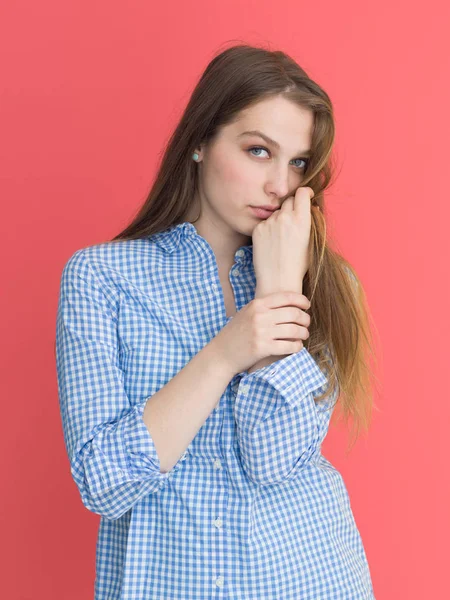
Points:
[[271, 325]]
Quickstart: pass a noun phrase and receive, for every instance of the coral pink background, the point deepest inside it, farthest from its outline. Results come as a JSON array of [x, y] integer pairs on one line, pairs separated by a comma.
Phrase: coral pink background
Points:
[[90, 92]]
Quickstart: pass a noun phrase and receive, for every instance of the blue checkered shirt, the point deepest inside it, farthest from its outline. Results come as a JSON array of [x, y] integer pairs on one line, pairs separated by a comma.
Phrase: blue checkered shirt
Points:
[[252, 510]]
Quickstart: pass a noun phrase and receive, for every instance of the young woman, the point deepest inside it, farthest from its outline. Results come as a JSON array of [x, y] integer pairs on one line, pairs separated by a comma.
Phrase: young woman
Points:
[[201, 352]]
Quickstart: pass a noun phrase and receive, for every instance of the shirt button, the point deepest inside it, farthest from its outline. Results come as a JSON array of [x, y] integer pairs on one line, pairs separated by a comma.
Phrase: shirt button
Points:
[[237, 271], [217, 464], [218, 523], [214, 286], [240, 252], [244, 388], [219, 581]]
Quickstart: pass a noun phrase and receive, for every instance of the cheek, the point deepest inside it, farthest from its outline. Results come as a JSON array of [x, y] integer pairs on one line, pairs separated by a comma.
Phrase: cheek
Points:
[[235, 173]]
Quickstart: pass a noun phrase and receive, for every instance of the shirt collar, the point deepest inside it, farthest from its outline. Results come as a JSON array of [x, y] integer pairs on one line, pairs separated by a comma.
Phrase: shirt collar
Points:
[[171, 238]]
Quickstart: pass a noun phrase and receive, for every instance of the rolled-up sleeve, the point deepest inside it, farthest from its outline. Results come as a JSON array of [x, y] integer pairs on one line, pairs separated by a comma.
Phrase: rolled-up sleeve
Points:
[[279, 425], [113, 459]]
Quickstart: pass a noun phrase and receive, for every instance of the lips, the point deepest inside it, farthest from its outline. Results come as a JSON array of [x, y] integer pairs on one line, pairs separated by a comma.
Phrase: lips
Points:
[[267, 207], [262, 213]]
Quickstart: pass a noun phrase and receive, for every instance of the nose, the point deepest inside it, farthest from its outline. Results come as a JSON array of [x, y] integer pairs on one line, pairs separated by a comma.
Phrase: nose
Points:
[[278, 182]]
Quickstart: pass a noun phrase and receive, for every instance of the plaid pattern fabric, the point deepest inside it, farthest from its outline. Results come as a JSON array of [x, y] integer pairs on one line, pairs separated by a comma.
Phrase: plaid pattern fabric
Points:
[[252, 510]]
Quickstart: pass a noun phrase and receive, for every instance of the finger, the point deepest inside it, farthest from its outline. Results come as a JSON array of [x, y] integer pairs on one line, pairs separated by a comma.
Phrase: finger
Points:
[[291, 331], [277, 299], [288, 204], [291, 314], [302, 203], [303, 196]]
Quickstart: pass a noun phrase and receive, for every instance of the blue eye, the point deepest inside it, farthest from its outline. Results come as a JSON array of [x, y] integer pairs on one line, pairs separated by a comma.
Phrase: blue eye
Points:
[[263, 148]]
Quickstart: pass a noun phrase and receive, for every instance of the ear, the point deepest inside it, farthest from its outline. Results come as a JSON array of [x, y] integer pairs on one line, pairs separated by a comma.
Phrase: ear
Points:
[[199, 151]]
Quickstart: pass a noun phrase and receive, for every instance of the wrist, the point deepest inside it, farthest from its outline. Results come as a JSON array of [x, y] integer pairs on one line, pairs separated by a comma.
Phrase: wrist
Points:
[[261, 291], [215, 352]]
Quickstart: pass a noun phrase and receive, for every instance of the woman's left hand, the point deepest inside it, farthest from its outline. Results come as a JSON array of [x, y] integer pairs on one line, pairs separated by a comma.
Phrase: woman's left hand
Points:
[[281, 243]]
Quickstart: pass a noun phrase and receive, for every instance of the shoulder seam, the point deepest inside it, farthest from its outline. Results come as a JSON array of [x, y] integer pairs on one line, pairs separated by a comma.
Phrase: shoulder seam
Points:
[[97, 281]]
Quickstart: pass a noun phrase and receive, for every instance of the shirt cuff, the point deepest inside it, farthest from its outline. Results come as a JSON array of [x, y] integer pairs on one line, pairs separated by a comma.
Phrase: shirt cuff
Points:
[[294, 376]]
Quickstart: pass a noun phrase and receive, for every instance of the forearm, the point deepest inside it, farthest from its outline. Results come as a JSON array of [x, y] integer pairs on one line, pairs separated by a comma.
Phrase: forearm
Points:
[[175, 413]]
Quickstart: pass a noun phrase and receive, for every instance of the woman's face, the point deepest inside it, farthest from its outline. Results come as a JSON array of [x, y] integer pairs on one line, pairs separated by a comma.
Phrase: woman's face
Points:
[[238, 169]]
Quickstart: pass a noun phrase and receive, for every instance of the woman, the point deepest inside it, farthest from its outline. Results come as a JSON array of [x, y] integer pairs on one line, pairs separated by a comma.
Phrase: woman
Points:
[[193, 413]]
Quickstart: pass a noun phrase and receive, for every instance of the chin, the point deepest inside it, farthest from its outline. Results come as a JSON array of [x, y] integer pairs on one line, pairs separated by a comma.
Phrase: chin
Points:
[[247, 229]]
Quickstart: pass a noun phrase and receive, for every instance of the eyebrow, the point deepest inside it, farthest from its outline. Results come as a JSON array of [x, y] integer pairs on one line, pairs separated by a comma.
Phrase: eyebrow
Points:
[[270, 140]]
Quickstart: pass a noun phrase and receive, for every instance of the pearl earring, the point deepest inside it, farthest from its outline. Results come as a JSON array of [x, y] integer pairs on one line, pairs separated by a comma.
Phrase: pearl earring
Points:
[[195, 156]]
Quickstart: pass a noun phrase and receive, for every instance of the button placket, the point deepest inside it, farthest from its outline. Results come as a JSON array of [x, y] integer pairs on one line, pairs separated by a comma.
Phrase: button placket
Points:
[[218, 522], [244, 387]]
